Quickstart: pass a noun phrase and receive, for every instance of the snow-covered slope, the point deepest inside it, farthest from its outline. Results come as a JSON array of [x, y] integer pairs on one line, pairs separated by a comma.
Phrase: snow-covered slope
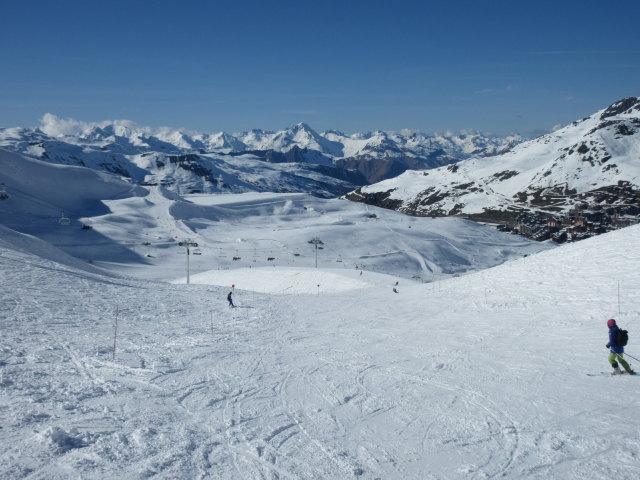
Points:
[[592, 160], [482, 376], [296, 159], [138, 229], [266, 230]]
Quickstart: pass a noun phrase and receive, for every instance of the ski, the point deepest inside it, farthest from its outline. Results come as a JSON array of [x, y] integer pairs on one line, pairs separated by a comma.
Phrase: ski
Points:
[[609, 374]]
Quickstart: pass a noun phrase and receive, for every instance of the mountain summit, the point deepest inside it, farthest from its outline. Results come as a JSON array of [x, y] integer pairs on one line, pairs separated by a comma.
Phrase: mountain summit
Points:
[[592, 164], [295, 159]]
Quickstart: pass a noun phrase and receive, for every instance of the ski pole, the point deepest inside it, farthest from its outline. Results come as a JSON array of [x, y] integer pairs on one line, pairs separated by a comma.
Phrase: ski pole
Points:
[[632, 357]]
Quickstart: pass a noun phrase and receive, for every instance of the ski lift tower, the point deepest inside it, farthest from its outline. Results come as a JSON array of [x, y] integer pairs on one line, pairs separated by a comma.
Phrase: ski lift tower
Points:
[[188, 243], [316, 241]]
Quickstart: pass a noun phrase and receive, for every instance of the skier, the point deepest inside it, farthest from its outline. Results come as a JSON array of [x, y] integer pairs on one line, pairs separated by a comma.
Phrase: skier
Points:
[[616, 351], [230, 300]]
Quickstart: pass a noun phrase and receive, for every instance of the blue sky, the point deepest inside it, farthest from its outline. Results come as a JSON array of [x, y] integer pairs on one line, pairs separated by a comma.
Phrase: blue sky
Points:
[[494, 66]]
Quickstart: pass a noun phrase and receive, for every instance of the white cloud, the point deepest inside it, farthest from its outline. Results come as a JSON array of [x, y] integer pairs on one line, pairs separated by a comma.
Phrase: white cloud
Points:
[[58, 127]]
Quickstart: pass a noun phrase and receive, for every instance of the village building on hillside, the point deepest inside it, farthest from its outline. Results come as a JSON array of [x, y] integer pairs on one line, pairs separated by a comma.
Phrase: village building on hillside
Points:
[[593, 213]]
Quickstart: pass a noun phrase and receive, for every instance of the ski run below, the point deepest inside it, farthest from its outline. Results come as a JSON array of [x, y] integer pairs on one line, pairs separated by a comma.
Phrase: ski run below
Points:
[[476, 377]]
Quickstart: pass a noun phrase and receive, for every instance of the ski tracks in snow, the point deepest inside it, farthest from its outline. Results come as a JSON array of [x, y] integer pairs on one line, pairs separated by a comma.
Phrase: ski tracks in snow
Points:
[[261, 395], [429, 384], [269, 432], [497, 428]]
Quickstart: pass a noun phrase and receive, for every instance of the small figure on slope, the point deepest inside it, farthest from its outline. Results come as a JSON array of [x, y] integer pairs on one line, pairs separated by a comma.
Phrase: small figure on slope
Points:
[[616, 350], [230, 300]]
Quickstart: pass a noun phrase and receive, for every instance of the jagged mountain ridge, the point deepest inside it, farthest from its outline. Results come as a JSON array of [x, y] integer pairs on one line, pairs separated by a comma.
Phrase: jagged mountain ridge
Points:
[[290, 160], [593, 160]]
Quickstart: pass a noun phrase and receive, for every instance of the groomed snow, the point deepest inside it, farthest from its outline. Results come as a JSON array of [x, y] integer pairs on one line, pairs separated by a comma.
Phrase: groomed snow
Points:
[[273, 230], [481, 376], [294, 280]]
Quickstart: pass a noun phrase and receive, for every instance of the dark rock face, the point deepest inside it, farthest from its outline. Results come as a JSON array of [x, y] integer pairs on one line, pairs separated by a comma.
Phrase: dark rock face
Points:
[[377, 169], [583, 148], [115, 168], [505, 175], [624, 129], [626, 105], [360, 169], [192, 163], [380, 199]]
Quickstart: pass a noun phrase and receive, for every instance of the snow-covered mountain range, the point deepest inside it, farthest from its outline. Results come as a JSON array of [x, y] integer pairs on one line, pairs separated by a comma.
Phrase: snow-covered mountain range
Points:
[[142, 226], [297, 159], [593, 163]]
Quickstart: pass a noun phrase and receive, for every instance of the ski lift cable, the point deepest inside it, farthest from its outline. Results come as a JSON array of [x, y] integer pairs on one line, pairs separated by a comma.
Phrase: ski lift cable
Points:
[[47, 206], [63, 219], [38, 202]]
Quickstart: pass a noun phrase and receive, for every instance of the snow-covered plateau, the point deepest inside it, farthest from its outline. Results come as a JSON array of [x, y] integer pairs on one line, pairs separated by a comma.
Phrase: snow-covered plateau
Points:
[[418, 348]]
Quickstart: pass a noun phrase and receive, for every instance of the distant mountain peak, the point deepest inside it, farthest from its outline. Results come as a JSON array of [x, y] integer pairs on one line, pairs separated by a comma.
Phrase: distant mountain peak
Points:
[[333, 132], [629, 105], [303, 126]]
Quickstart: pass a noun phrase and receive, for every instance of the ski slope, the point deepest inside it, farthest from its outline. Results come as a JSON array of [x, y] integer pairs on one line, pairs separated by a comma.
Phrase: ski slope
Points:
[[476, 377], [249, 231], [137, 230]]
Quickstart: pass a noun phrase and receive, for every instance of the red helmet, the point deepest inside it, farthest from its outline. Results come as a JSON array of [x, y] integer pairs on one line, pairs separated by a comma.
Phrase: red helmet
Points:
[[611, 322]]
